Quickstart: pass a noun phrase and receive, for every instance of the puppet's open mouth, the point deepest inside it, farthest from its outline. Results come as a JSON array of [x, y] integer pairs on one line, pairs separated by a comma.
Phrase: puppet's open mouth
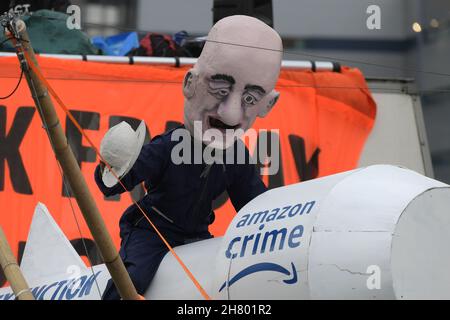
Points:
[[217, 124]]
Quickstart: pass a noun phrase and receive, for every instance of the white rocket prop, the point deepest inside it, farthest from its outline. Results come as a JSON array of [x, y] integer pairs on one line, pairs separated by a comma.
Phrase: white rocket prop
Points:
[[52, 267], [380, 232]]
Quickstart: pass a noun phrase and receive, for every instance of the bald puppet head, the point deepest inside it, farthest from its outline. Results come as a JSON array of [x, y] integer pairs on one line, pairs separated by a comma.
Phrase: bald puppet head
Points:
[[233, 80]]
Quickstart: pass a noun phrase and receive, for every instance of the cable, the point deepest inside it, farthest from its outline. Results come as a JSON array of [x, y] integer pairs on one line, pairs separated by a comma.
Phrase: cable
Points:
[[15, 89], [67, 189], [419, 92], [20, 78], [296, 53], [7, 39], [4, 41], [333, 58], [286, 52], [399, 90]]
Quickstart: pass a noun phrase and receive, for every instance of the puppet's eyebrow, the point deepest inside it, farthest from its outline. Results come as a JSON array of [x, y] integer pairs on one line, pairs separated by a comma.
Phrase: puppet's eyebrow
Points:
[[224, 77], [255, 87]]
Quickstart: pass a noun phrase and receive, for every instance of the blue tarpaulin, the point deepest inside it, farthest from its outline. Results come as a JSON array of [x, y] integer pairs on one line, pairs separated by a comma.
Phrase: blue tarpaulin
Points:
[[117, 45]]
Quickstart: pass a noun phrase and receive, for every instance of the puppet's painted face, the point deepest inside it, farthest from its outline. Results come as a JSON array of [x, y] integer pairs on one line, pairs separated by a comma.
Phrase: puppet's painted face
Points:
[[232, 82]]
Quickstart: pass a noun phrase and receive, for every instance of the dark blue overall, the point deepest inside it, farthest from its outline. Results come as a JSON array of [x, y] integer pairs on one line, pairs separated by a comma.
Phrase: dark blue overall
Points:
[[178, 201]]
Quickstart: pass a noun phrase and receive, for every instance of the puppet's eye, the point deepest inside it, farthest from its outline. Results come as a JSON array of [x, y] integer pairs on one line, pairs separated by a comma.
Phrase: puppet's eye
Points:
[[220, 93], [223, 92], [249, 99], [219, 88]]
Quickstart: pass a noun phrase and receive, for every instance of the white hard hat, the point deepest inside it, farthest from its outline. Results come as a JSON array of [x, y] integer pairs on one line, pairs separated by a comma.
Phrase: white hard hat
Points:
[[120, 148]]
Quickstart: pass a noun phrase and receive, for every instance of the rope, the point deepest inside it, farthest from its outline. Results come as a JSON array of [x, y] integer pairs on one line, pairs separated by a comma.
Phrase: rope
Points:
[[77, 125]]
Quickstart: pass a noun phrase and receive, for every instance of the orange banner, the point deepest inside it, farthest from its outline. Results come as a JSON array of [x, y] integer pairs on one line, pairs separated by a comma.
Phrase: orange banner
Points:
[[323, 120]]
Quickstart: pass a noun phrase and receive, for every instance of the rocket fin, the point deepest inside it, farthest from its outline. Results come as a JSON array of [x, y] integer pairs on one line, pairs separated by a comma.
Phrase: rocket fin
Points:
[[48, 252]]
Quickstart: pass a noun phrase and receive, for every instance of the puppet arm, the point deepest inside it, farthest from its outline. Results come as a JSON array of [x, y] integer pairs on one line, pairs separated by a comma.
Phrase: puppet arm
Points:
[[246, 185]]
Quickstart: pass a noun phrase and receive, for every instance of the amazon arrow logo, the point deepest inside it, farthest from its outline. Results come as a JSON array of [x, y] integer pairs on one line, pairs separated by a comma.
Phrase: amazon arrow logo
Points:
[[264, 266]]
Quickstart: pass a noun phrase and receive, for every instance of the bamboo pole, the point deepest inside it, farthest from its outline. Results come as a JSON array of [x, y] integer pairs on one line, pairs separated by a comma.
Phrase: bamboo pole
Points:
[[74, 176], [12, 271]]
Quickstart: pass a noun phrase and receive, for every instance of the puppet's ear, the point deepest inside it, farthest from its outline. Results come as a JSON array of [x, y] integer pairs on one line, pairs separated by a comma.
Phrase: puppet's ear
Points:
[[270, 100], [190, 83]]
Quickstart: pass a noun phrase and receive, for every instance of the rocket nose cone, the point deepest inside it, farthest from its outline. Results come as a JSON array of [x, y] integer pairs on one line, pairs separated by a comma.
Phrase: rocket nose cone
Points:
[[420, 258]]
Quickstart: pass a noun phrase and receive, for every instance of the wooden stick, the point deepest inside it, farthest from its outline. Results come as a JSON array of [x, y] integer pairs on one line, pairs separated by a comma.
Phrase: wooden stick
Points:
[[74, 176], [12, 271]]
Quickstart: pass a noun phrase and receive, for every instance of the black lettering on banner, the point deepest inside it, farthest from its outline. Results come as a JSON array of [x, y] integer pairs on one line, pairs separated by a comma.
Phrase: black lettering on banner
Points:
[[9, 149], [138, 192], [306, 170], [87, 120]]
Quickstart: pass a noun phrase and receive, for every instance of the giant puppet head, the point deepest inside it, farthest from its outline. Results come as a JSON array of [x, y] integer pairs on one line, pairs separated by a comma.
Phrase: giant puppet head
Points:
[[233, 80]]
